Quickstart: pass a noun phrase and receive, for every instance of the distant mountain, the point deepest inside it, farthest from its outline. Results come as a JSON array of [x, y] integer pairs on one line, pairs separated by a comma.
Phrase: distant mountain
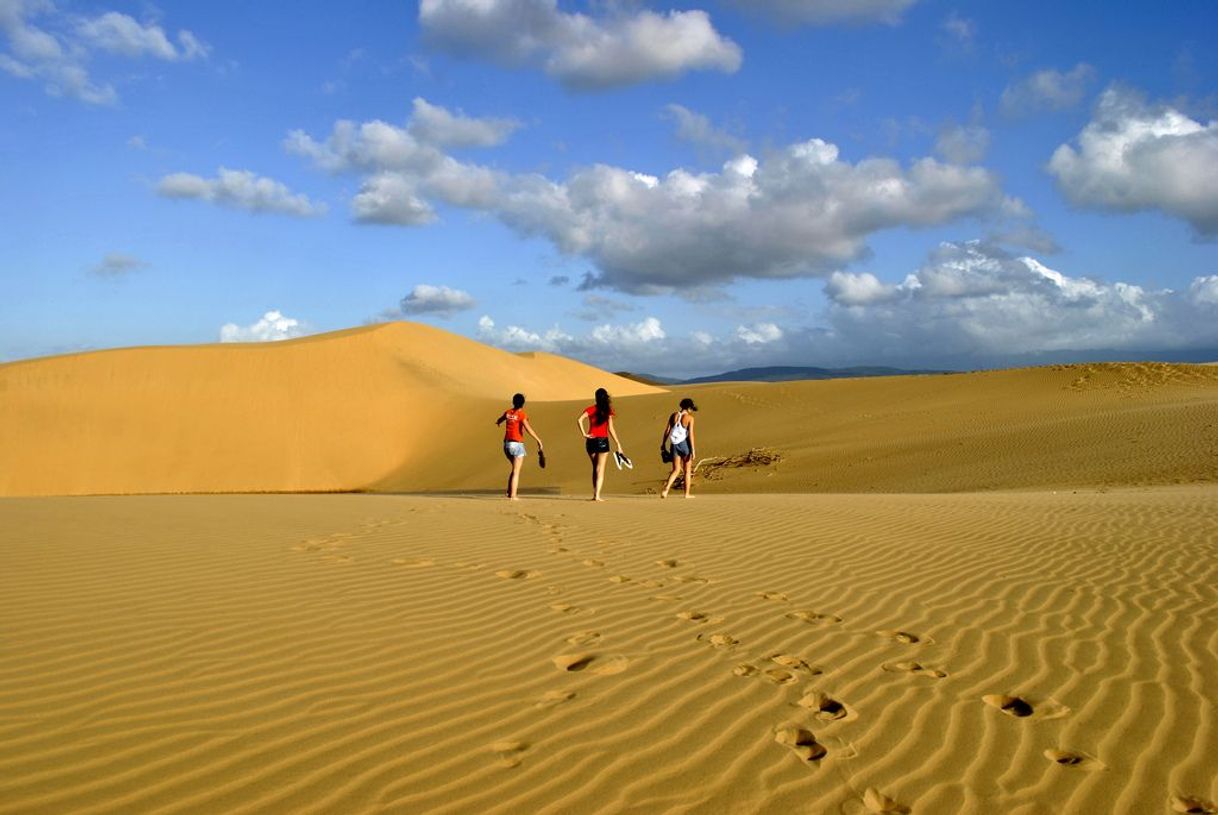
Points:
[[785, 373], [648, 379]]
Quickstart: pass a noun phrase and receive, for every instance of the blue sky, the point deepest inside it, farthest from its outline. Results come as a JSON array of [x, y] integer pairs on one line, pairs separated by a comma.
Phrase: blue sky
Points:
[[678, 188]]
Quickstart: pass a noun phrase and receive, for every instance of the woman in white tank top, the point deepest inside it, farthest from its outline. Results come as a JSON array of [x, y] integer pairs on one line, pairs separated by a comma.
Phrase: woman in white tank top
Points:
[[679, 433]]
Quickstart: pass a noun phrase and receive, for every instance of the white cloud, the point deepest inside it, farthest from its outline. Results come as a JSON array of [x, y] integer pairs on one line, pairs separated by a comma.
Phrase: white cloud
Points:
[[117, 264], [432, 124], [800, 211], [239, 189], [389, 198], [623, 47], [697, 130], [974, 300], [1047, 90], [47, 44], [1134, 156], [759, 334], [120, 34], [439, 300], [272, 326], [647, 331], [1204, 290], [857, 289], [829, 12]]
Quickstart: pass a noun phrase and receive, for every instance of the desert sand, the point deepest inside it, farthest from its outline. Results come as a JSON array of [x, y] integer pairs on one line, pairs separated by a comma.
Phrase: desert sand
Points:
[[987, 592]]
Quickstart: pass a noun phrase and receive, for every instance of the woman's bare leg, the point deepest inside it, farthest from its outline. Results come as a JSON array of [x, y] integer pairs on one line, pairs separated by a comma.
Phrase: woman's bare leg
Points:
[[512, 463], [598, 475], [689, 474], [514, 478], [672, 477]]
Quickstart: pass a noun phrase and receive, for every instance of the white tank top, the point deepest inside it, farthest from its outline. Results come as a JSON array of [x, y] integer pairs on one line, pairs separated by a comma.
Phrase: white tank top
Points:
[[679, 431]]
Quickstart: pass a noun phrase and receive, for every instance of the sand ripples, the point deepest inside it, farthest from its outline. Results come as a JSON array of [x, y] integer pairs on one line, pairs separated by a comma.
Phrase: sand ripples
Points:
[[986, 653]]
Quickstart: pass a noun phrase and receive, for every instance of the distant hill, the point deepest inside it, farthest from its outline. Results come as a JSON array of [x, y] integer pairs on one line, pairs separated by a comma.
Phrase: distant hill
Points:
[[779, 373]]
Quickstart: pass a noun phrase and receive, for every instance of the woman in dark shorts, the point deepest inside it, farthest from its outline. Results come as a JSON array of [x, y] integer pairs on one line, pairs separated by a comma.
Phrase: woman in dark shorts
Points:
[[680, 434], [596, 423]]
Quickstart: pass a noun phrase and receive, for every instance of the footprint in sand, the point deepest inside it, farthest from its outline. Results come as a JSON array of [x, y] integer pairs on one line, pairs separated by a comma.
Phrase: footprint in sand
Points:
[[914, 668], [565, 608], [689, 578], [594, 563], [619, 578], [780, 676], [552, 698], [414, 562], [584, 638], [558, 550], [814, 617], [591, 663], [509, 752], [1021, 707], [693, 616], [826, 708], [776, 596], [745, 669], [668, 563], [1075, 760], [876, 801], [668, 598], [903, 637], [801, 742], [516, 574], [719, 640], [794, 663], [1192, 805], [652, 584]]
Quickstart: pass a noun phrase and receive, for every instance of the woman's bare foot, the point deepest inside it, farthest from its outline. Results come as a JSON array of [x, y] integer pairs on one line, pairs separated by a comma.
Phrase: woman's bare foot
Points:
[[663, 493]]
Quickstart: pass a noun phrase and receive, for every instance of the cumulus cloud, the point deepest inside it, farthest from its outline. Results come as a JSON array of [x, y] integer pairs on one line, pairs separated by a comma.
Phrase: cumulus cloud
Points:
[[432, 124], [438, 300], [803, 210], [1047, 90], [239, 189], [973, 299], [1134, 156], [272, 326], [117, 264], [697, 130], [49, 45], [829, 12], [623, 47]]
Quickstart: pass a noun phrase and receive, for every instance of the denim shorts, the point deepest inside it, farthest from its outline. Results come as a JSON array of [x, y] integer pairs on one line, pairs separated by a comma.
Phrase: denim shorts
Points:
[[515, 449], [597, 444], [681, 449]]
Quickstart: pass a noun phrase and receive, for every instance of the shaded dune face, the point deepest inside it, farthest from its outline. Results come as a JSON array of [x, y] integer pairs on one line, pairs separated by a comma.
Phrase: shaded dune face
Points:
[[403, 407]]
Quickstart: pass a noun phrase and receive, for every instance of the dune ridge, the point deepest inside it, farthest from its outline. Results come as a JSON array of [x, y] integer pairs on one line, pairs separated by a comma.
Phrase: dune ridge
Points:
[[330, 412], [410, 654]]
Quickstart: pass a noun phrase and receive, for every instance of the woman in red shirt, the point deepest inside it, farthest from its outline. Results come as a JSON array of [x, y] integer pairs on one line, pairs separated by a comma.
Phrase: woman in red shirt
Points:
[[596, 423], [515, 420]]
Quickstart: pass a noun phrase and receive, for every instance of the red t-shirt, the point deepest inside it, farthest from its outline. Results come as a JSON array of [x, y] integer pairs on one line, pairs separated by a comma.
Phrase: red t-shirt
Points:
[[597, 431], [513, 421]]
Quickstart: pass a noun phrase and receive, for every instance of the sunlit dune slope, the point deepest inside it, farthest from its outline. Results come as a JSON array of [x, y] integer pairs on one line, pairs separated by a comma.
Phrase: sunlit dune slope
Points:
[[1059, 427], [329, 412]]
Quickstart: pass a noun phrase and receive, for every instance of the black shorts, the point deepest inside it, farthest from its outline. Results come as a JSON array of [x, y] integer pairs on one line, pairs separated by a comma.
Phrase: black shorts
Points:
[[597, 444]]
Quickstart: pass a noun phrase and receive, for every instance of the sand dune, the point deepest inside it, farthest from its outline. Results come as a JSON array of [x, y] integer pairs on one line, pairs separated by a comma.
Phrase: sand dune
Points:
[[405, 407], [329, 412], [1013, 653]]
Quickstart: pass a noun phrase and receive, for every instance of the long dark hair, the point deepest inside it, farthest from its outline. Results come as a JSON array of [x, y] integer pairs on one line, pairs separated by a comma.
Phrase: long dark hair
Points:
[[604, 406]]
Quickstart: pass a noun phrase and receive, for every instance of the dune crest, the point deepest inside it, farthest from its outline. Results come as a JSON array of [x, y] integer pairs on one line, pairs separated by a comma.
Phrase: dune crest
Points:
[[329, 412]]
